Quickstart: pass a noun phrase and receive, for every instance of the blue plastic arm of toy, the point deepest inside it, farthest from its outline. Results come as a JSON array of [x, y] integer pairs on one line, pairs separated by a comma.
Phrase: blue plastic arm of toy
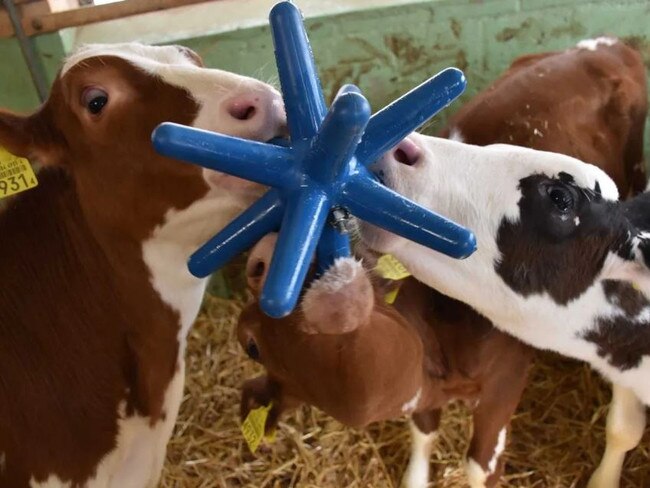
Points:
[[397, 120], [333, 244], [302, 225], [370, 201], [273, 164], [322, 167], [303, 97], [338, 137], [244, 232]]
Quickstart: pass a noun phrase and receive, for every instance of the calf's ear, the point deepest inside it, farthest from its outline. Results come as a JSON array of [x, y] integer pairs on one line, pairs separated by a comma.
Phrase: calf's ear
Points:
[[631, 263], [33, 136]]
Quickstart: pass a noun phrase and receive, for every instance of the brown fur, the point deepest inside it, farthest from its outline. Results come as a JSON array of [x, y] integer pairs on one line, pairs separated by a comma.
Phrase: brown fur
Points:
[[587, 104], [81, 323], [82, 329]]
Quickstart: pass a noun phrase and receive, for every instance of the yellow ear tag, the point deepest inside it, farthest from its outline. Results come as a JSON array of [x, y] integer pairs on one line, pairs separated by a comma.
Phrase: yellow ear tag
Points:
[[390, 268], [253, 426], [391, 296], [16, 174]]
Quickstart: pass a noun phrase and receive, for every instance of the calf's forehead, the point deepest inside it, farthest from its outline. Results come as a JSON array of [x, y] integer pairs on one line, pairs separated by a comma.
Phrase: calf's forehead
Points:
[[523, 162], [175, 65], [148, 58]]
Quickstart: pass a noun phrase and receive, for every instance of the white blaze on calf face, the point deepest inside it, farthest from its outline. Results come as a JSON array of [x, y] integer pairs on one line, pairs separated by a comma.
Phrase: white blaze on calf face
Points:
[[228, 103]]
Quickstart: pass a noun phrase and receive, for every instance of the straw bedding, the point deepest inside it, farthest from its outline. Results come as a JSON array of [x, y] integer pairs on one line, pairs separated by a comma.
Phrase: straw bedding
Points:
[[556, 440]]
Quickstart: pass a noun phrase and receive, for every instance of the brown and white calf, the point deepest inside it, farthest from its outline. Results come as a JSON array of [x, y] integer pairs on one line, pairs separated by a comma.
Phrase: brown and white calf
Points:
[[589, 103], [362, 361], [560, 260], [95, 296]]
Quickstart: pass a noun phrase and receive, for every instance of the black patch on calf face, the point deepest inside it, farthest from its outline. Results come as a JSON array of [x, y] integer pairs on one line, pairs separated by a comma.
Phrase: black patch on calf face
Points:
[[621, 339], [561, 240], [637, 211]]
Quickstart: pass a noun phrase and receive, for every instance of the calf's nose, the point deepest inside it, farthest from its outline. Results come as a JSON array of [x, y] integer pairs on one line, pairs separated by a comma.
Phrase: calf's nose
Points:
[[406, 152], [256, 114]]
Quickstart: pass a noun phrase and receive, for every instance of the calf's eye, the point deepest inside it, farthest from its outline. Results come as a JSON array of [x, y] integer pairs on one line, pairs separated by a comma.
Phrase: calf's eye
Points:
[[561, 198], [252, 350], [94, 99]]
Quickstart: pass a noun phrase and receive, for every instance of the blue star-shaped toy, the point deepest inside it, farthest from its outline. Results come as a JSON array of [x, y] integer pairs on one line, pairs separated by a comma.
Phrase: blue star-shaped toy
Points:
[[323, 169]]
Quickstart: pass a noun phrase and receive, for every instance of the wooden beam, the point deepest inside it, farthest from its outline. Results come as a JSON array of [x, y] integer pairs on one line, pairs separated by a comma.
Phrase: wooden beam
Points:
[[55, 21], [41, 19], [28, 9]]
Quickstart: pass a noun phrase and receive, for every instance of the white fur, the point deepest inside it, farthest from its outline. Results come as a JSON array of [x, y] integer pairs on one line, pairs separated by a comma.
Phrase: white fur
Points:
[[167, 250], [592, 44], [412, 404], [138, 459], [625, 425], [456, 135], [417, 472], [498, 450], [475, 474], [343, 272]]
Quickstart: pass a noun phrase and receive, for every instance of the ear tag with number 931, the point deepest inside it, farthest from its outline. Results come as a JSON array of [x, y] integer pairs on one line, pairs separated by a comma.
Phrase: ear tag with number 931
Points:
[[16, 174]]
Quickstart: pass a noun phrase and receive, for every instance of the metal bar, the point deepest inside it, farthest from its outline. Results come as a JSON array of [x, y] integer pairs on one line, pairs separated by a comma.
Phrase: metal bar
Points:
[[55, 21], [28, 49]]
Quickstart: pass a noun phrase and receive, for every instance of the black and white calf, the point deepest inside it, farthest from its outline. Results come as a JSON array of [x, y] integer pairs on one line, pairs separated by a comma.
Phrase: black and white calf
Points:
[[559, 265]]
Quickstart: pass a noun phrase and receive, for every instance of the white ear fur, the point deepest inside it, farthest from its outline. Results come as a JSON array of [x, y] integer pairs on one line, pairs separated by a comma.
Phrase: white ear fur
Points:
[[635, 270], [341, 300]]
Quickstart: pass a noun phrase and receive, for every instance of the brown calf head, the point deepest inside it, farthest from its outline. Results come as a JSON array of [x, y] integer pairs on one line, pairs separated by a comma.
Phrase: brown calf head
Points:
[[367, 369], [340, 301], [98, 120]]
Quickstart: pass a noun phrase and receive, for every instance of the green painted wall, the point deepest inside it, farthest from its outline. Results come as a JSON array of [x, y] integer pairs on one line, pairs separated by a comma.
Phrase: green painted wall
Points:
[[17, 91], [388, 51]]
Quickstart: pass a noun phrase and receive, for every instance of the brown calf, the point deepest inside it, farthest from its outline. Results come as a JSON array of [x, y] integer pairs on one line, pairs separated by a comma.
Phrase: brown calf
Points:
[[95, 296], [589, 103], [381, 362]]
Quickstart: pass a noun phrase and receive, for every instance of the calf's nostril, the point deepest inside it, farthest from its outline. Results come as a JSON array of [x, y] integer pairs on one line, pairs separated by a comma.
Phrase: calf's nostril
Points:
[[402, 157], [407, 152], [258, 270], [242, 110]]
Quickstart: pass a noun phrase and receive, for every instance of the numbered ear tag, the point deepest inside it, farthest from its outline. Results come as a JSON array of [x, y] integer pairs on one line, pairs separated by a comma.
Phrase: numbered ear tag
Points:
[[253, 426], [390, 268], [16, 174]]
